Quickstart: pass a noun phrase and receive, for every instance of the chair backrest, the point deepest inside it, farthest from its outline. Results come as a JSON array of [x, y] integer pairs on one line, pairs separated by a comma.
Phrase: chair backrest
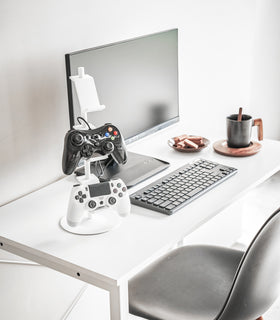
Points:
[[257, 281]]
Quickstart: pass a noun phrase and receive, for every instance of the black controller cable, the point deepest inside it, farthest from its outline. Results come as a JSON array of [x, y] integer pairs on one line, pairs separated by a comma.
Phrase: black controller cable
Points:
[[81, 118], [102, 167]]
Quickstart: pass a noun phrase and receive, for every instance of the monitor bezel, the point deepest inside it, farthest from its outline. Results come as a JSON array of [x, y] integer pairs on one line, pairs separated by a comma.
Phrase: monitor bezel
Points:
[[138, 136]]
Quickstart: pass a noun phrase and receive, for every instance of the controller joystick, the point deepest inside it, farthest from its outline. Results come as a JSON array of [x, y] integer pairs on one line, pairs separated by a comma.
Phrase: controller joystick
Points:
[[104, 140], [77, 139], [108, 146], [88, 198]]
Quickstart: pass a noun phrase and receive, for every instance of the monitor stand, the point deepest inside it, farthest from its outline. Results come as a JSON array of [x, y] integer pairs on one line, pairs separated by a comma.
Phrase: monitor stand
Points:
[[137, 169]]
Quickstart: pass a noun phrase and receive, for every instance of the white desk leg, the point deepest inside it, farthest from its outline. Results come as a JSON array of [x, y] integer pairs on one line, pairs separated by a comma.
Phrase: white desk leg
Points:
[[119, 302]]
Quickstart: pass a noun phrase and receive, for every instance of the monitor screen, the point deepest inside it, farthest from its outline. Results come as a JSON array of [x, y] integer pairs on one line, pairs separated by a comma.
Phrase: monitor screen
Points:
[[137, 81]]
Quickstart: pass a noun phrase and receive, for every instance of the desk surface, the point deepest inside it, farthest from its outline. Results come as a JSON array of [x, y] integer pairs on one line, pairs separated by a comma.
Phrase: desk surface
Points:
[[30, 225]]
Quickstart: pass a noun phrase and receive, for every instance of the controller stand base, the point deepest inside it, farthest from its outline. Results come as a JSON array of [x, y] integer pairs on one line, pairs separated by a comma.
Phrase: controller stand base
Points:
[[100, 221]]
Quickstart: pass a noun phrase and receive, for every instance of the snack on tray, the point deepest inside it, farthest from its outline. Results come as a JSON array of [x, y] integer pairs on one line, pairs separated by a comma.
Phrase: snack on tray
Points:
[[189, 143], [185, 141]]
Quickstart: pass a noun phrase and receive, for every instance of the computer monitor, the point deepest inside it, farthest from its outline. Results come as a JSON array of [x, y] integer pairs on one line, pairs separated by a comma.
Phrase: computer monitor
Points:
[[137, 81]]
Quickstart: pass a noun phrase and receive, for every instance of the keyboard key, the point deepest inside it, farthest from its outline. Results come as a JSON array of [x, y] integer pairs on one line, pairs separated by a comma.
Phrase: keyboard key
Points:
[[152, 200], [170, 207], [158, 202], [165, 204], [194, 192]]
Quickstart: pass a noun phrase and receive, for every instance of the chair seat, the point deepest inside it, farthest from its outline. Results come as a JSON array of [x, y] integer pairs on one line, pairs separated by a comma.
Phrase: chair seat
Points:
[[189, 283]]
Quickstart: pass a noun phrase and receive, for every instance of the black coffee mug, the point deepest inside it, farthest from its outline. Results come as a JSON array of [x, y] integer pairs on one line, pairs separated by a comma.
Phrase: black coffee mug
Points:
[[239, 132]]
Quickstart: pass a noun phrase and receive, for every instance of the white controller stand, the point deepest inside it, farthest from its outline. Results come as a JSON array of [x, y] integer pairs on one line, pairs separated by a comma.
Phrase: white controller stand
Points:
[[89, 214]]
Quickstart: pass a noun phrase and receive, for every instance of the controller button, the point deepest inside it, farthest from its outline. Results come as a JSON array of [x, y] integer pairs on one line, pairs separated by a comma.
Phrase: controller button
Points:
[[96, 144], [115, 190], [80, 193], [112, 200], [101, 202], [123, 189], [120, 194], [81, 200], [92, 204], [84, 196], [107, 134], [113, 138], [77, 197], [119, 185], [110, 129], [115, 133]]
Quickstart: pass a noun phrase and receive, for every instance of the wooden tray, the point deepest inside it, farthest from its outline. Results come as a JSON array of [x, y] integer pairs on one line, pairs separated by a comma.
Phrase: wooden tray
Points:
[[222, 148], [204, 140]]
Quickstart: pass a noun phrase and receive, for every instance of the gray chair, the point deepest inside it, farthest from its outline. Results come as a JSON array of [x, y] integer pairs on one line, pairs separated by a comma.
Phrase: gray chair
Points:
[[211, 283]]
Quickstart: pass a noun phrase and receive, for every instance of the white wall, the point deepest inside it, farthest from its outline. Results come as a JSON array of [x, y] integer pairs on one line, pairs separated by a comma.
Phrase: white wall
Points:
[[215, 64], [265, 96]]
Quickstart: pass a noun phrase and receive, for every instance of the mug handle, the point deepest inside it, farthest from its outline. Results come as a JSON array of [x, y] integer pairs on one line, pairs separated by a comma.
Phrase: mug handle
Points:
[[259, 124]]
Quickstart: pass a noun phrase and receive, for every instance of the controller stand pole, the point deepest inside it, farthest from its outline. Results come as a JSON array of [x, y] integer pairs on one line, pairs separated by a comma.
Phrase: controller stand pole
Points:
[[89, 177], [97, 221]]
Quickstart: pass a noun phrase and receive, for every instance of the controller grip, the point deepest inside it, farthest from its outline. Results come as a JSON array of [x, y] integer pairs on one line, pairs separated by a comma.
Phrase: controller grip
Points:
[[70, 161], [119, 154], [70, 158], [124, 206], [75, 210]]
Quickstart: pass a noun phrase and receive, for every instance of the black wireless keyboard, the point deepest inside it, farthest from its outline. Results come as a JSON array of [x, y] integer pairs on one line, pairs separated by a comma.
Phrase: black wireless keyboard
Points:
[[177, 189]]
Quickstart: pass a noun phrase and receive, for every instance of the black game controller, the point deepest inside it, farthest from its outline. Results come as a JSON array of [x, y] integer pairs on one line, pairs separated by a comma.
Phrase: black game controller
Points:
[[85, 143]]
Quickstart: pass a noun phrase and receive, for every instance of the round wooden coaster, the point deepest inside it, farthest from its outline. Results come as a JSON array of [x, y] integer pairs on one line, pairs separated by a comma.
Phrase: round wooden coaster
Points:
[[221, 147]]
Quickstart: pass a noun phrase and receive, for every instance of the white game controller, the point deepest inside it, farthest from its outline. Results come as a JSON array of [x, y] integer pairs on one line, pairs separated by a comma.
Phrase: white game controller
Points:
[[86, 198]]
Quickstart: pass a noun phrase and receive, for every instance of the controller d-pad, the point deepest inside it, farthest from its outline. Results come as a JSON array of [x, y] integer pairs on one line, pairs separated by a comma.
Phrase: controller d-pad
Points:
[[112, 200], [87, 150], [80, 196]]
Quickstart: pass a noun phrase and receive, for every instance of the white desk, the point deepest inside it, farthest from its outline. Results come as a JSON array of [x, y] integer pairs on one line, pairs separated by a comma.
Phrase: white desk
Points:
[[29, 227]]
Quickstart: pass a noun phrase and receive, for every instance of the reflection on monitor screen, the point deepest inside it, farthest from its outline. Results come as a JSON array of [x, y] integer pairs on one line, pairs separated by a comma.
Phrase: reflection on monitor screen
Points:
[[137, 81]]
